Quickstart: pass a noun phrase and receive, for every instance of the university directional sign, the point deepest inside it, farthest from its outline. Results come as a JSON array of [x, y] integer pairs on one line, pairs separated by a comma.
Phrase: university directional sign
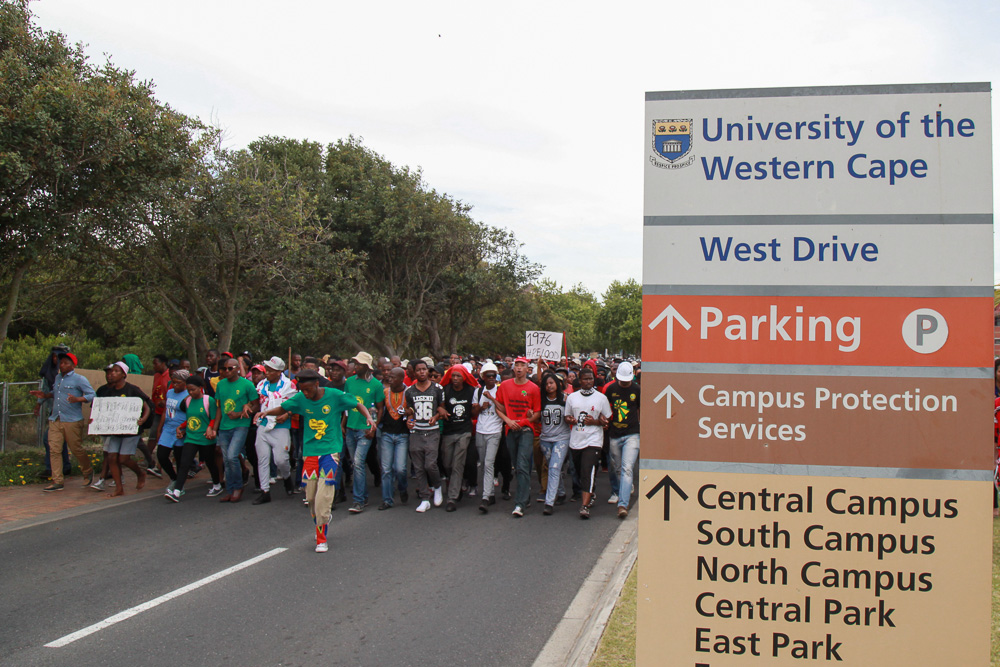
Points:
[[817, 462]]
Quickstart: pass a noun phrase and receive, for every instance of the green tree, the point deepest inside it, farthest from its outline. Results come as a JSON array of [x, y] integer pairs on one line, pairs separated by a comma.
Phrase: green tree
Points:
[[428, 265], [78, 144], [238, 237], [572, 311], [620, 319]]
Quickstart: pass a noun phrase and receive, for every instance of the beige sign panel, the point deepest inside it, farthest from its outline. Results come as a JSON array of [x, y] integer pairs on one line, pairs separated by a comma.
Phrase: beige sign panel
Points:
[[791, 570]]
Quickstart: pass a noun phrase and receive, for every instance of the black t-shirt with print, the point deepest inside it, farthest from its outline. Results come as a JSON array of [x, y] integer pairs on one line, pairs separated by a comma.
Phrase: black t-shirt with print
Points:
[[624, 409], [458, 404]]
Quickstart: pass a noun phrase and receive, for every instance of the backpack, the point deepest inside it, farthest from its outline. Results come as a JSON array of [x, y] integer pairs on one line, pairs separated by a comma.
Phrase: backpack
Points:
[[204, 399]]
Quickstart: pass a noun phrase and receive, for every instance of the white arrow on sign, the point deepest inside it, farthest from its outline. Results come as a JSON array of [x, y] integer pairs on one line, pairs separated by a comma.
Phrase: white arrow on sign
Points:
[[670, 314], [670, 393]]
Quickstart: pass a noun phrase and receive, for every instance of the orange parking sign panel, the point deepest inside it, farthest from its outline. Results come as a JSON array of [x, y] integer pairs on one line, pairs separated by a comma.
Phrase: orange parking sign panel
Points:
[[847, 331]]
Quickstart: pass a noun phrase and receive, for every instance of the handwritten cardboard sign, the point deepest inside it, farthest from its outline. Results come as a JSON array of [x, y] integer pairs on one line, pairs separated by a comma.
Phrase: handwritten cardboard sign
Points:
[[544, 344], [115, 416]]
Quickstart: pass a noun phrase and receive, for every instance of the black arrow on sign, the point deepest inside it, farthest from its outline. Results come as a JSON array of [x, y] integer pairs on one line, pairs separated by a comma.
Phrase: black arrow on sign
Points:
[[666, 484]]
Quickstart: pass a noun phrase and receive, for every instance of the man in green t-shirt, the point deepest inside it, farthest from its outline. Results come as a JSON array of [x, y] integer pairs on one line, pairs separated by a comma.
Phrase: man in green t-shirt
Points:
[[321, 409], [357, 435], [237, 400]]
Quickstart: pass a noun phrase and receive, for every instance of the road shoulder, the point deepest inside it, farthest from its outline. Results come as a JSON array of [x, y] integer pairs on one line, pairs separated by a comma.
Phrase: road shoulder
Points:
[[577, 635]]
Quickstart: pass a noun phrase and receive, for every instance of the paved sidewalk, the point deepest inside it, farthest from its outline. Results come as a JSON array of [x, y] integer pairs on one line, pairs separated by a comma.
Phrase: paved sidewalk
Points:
[[21, 503]]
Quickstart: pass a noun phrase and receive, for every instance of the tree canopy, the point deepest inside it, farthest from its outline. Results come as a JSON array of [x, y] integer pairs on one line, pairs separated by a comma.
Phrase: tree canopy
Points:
[[620, 320], [78, 145], [136, 224]]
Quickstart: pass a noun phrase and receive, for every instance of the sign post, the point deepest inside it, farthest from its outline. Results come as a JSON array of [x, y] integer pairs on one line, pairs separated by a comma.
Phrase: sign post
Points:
[[817, 464]]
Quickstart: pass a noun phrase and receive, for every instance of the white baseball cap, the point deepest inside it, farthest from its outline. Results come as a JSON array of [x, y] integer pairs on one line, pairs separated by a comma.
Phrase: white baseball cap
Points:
[[625, 372], [275, 363]]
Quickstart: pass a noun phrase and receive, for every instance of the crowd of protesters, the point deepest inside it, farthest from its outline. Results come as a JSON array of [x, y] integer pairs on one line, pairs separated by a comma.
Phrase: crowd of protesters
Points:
[[466, 427]]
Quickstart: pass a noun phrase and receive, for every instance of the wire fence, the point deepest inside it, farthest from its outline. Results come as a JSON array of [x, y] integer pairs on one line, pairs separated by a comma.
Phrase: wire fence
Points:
[[18, 422]]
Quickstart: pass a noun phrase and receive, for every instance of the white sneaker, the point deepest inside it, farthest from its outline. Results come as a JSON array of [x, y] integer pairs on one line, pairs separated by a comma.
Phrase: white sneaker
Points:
[[98, 485], [613, 500], [173, 495], [438, 497], [322, 548], [518, 512], [423, 506], [215, 490]]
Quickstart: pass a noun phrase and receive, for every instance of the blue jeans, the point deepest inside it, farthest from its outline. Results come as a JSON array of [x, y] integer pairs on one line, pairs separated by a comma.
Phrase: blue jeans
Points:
[[358, 443], [624, 453], [231, 443], [521, 447], [393, 448], [555, 452]]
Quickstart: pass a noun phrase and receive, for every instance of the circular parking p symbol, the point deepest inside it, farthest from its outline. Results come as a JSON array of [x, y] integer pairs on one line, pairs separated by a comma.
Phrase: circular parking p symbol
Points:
[[925, 331]]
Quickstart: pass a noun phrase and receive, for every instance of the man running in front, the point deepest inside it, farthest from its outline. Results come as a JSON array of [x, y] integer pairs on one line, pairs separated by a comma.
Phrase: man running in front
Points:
[[321, 409]]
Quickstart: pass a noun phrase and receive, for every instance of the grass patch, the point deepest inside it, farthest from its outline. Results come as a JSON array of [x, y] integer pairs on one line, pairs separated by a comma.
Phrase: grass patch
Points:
[[617, 647], [20, 466]]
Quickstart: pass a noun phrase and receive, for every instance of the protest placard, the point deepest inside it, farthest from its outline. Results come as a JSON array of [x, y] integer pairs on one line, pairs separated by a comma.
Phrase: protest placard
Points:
[[546, 345], [115, 416]]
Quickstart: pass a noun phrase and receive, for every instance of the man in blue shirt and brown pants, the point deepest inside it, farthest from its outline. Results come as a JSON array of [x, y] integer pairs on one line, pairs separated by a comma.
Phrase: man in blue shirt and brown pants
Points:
[[69, 391]]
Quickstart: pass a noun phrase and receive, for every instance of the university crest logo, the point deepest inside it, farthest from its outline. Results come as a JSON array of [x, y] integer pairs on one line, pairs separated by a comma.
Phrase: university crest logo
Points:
[[672, 140]]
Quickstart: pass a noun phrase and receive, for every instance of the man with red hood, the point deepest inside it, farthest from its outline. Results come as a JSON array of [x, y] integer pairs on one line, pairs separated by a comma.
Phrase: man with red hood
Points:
[[592, 365], [456, 412]]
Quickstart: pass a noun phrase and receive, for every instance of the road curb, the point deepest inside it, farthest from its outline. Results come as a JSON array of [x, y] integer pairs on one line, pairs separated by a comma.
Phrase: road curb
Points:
[[575, 639]]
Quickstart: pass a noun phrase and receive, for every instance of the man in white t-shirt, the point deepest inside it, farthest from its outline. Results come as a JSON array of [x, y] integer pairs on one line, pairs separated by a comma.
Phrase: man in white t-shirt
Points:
[[587, 412], [489, 430]]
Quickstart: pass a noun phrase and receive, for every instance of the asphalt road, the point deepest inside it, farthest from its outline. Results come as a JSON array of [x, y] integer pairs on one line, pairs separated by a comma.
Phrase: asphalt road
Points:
[[396, 587]]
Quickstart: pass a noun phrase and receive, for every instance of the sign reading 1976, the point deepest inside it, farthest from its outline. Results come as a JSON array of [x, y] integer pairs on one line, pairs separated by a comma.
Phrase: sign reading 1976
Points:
[[817, 465]]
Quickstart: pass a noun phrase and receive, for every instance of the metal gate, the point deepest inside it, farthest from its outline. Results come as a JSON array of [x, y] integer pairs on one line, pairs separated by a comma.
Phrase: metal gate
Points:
[[6, 414]]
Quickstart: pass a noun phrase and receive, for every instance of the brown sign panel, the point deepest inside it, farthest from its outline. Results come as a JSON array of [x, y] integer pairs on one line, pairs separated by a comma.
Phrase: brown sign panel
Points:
[[893, 422]]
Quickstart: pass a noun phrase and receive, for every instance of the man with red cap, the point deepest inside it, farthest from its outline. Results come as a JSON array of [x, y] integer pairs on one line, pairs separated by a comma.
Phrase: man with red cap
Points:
[[520, 401], [69, 391]]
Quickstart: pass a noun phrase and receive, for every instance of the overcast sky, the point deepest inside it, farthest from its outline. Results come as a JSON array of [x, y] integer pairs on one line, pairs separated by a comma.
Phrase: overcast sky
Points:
[[531, 112]]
